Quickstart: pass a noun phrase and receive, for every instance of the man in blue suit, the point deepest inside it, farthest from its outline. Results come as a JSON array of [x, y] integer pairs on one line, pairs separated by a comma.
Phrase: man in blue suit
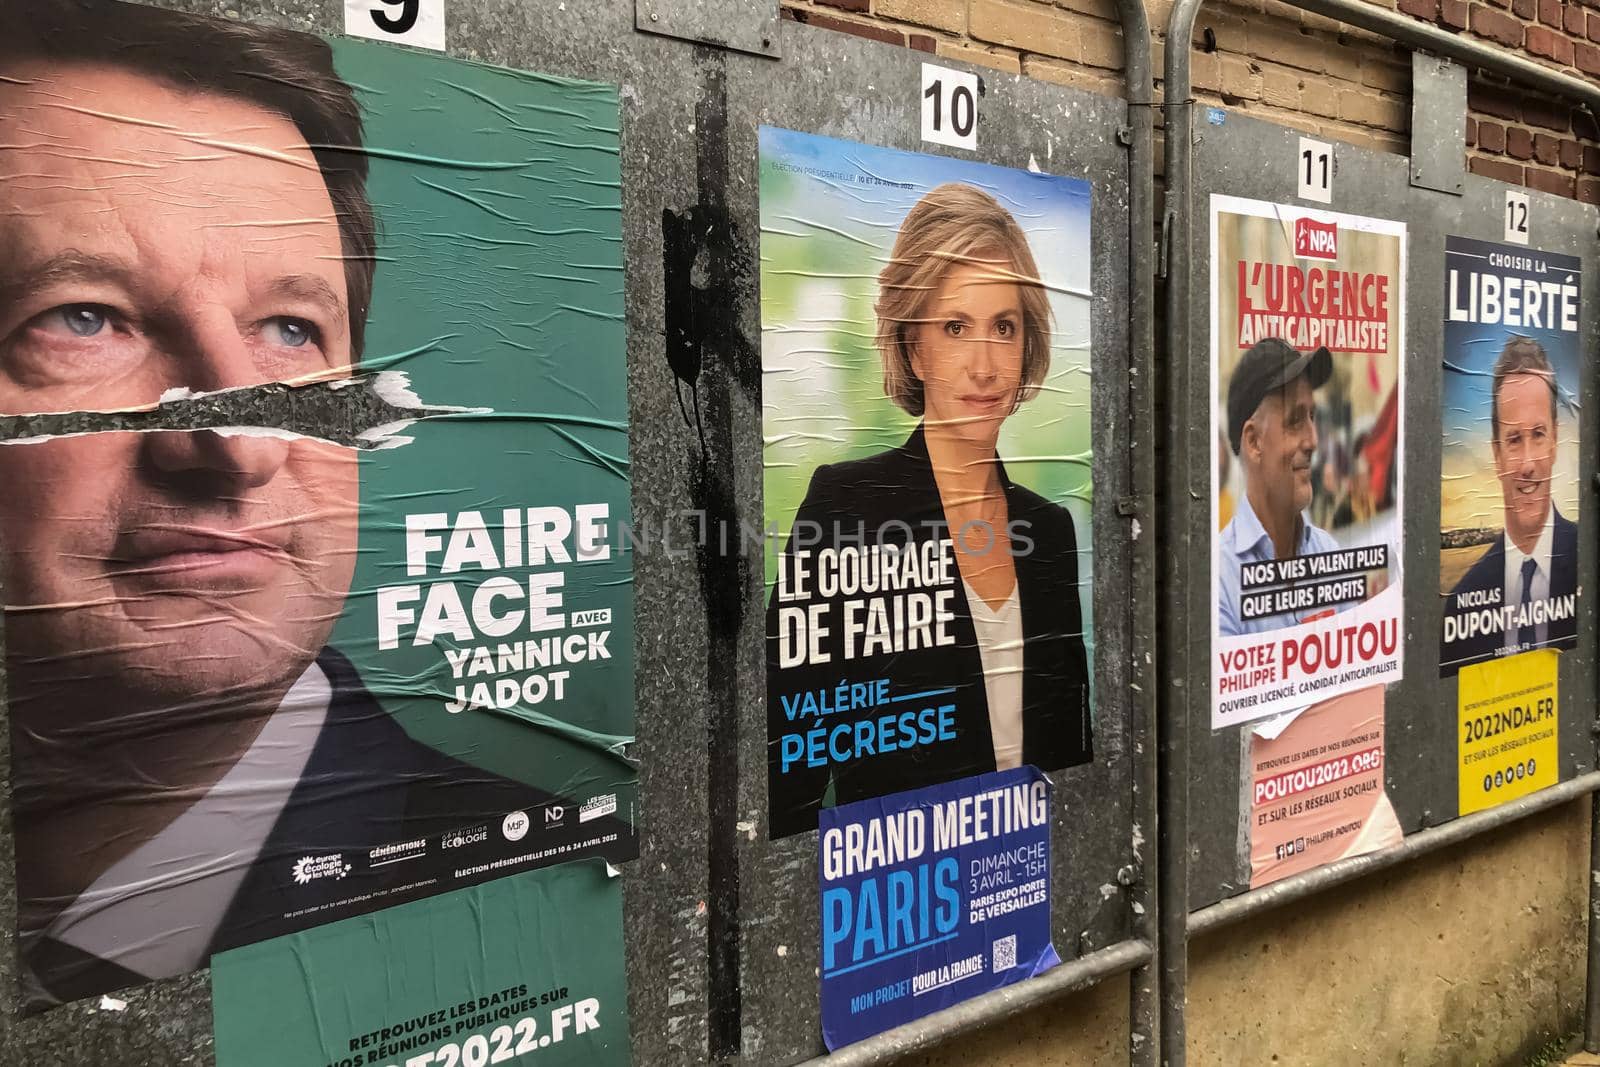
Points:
[[1522, 593]]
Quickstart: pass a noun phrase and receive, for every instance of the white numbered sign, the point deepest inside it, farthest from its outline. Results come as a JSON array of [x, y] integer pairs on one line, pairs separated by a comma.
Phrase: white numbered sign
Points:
[[413, 22], [1516, 217], [949, 107], [1314, 170]]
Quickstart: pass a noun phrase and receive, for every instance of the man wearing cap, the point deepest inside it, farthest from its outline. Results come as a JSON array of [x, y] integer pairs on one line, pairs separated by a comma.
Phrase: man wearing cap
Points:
[[1272, 428]]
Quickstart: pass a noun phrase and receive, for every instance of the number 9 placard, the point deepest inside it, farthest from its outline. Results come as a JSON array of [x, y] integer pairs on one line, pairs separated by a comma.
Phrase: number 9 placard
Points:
[[415, 22]]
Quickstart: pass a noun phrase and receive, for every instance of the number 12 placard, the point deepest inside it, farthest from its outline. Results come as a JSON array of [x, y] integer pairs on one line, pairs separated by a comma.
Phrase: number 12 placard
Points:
[[415, 22]]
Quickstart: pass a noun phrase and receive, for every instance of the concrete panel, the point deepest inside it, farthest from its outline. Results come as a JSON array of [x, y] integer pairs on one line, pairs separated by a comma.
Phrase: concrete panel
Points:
[[1086, 1030], [1470, 956]]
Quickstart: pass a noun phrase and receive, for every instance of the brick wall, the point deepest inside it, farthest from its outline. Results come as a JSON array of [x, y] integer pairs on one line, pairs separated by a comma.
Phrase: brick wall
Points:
[[1269, 59]]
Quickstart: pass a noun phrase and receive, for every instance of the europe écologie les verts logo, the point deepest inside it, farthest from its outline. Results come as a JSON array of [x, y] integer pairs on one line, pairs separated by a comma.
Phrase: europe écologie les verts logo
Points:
[[308, 869]]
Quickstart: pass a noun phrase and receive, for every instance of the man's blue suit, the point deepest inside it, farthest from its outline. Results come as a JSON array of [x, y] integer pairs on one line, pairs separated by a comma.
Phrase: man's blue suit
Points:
[[1489, 573]]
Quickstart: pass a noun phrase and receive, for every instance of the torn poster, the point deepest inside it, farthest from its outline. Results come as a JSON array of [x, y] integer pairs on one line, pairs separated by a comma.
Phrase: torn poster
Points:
[[312, 368]]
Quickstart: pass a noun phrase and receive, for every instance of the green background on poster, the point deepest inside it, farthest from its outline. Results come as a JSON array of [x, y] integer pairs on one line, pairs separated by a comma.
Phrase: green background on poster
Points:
[[499, 286], [324, 996]]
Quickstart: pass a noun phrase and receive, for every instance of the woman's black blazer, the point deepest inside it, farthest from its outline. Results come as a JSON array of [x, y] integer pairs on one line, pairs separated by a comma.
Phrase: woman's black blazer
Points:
[[876, 499]]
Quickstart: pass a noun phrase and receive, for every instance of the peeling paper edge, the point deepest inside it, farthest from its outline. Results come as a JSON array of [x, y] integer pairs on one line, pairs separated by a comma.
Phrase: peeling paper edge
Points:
[[393, 387], [1273, 728]]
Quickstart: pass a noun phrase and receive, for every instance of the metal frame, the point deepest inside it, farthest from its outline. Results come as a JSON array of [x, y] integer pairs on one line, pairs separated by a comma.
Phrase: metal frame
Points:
[[1142, 956], [1144, 1004], [1073, 976], [1177, 232], [678, 146], [1130, 496]]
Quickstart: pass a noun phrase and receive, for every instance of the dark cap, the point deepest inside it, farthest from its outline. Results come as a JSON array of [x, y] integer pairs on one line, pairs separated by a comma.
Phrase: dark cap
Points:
[[1270, 365]]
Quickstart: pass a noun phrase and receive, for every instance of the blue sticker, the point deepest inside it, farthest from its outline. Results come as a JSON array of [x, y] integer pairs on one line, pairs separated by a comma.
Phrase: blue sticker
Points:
[[1216, 116], [931, 897]]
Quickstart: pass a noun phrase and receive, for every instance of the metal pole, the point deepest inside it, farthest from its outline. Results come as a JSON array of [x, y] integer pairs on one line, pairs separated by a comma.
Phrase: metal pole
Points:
[[1071, 977], [1173, 829], [1468, 52], [1591, 1007], [1248, 905], [1144, 984]]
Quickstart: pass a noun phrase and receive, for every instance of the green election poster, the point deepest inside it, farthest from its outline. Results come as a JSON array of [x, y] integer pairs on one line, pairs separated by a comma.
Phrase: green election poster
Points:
[[336, 615], [524, 970]]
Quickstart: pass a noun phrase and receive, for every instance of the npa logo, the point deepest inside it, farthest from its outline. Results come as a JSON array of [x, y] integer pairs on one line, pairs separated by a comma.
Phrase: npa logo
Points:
[[1315, 240]]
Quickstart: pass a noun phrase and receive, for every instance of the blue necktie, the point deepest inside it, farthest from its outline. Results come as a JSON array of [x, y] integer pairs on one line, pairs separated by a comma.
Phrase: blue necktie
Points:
[[1525, 635]]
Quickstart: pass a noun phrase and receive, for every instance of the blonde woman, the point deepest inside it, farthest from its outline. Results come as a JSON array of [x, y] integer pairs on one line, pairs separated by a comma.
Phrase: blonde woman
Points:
[[963, 329]]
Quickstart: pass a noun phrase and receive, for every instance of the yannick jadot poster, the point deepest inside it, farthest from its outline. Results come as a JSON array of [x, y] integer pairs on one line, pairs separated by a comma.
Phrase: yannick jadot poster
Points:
[[521, 970], [352, 628]]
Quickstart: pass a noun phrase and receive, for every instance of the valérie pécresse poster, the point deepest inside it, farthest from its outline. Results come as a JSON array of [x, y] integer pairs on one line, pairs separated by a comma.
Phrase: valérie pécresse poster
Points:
[[926, 353], [1308, 411], [359, 641], [1508, 508], [489, 974]]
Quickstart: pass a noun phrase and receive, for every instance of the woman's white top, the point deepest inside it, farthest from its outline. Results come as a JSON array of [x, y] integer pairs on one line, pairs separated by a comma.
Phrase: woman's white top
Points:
[[1000, 649]]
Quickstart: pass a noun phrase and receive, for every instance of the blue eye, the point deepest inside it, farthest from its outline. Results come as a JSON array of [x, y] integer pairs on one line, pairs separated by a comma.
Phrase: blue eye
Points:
[[83, 320], [291, 333]]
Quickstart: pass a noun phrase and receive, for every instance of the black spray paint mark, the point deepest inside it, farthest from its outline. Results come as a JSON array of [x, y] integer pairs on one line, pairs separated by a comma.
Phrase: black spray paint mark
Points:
[[708, 270]]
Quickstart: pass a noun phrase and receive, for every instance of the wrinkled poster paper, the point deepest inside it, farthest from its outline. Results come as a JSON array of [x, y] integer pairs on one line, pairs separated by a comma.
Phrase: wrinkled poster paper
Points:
[[363, 640], [931, 897], [1307, 400], [1508, 524], [490, 974], [926, 353], [1316, 784]]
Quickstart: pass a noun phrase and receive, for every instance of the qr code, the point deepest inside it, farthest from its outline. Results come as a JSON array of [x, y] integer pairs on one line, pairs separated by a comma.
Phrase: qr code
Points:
[[1005, 954]]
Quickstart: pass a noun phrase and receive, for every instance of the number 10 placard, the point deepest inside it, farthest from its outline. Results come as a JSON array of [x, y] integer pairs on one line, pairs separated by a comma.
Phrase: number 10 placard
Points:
[[949, 107]]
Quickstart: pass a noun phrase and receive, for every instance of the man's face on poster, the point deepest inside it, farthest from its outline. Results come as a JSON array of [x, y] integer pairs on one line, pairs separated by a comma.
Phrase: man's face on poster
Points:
[[1280, 441], [1525, 453], [151, 239]]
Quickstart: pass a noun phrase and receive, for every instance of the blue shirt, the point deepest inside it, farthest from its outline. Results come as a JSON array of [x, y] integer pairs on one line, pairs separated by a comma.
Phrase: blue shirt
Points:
[[1245, 540]]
